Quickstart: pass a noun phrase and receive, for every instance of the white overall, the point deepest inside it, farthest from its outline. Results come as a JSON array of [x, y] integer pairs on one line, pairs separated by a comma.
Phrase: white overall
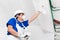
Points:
[[21, 31]]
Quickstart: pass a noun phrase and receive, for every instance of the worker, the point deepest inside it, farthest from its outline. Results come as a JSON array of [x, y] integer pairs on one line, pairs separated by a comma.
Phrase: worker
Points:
[[17, 26]]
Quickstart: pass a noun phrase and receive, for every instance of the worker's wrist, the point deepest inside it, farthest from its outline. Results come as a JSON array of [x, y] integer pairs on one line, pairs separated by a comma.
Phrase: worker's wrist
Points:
[[19, 34]]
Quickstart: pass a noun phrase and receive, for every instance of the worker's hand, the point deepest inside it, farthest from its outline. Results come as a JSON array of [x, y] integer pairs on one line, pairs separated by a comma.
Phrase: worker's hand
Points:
[[22, 35], [38, 12], [25, 35], [43, 11]]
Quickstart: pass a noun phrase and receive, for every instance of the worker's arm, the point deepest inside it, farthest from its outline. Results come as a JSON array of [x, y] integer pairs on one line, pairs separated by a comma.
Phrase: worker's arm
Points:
[[56, 21], [34, 16], [12, 31]]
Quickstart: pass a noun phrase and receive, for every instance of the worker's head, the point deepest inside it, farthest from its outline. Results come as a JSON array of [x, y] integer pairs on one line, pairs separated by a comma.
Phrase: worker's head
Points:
[[19, 14]]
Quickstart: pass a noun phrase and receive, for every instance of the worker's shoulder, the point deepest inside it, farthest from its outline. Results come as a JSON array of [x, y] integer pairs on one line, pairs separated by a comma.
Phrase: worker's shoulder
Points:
[[12, 19]]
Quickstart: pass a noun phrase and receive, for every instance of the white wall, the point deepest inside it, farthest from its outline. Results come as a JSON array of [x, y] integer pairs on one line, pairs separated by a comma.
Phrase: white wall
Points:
[[45, 18], [41, 28]]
